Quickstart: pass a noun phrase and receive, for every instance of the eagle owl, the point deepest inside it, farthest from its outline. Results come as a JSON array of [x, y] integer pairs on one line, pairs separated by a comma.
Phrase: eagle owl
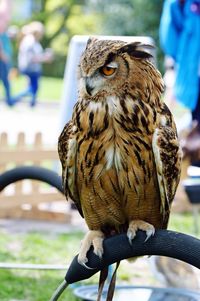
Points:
[[120, 154]]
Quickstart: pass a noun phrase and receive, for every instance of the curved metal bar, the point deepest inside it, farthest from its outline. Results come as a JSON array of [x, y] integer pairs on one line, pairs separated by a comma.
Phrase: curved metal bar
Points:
[[59, 291], [31, 172], [164, 243]]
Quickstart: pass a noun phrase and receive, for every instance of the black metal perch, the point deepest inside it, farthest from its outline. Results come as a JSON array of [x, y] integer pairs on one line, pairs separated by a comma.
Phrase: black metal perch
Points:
[[164, 243], [31, 172]]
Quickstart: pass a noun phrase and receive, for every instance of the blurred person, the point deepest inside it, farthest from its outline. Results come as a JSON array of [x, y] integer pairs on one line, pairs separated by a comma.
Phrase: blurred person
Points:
[[180, 39], [30, 58], [5, 60], [5, 49]]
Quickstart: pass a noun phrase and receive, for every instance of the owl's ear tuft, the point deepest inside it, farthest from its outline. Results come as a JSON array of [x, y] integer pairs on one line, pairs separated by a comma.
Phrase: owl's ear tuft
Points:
[[91, 40], [137, 50]]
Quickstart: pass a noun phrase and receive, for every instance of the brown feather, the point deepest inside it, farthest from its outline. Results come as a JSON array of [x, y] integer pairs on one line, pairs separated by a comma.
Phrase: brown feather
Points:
[[120, 153]]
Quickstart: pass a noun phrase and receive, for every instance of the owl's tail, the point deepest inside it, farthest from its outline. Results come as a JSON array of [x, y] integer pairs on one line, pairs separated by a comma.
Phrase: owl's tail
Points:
[[111, 287]]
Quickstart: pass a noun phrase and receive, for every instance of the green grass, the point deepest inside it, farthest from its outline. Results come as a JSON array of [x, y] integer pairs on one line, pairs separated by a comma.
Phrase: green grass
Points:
[[182, 223], [35, 248], [28, 286], [48, 248], [50, 89]]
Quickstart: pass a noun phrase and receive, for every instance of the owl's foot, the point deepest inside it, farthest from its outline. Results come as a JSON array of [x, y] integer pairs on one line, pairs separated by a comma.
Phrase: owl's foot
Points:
[[92, 238], [139, 225]]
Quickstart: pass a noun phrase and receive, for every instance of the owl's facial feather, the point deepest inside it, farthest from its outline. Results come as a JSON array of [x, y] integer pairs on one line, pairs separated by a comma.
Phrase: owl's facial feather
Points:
[[102, 79], [137, 50], [109, 68]]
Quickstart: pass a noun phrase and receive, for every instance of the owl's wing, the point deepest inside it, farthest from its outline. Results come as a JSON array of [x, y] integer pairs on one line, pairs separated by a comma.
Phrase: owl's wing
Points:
[[167, 154], [67, 150]]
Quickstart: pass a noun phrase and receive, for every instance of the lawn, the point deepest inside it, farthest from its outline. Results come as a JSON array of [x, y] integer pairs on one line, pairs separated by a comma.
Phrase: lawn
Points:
[[50, 88], [43, 248], [52, 249]]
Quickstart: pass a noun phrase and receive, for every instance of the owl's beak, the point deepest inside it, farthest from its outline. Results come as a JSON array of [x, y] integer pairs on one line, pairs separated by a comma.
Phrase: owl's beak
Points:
[[89, 88]]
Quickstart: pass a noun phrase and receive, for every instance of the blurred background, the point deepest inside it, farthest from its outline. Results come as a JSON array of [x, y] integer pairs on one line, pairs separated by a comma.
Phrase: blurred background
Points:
[[64, 19], [37, 225]]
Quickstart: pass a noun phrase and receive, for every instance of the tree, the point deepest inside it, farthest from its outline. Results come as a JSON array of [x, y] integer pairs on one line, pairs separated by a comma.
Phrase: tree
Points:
[[62, 19], [129, 17], [65, 18]]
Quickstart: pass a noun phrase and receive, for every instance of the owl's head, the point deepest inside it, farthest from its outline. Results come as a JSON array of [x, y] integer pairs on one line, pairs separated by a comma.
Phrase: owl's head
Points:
[[107, 65]]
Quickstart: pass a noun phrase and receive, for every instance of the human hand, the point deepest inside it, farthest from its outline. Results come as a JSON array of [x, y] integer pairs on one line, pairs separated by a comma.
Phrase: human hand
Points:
[[48, 55]]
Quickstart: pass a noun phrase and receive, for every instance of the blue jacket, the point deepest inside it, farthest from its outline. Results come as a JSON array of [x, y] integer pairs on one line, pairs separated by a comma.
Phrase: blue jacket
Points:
[[180, 38], [5, 45]]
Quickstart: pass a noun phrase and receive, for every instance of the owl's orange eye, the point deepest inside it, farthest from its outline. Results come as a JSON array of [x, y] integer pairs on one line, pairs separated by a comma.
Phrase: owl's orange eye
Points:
[[107, 71]]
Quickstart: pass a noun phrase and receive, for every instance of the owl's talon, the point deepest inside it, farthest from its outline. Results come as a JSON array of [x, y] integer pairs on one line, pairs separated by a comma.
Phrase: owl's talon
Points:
[[86, 266], [99, 253], [131, 235], [98, 247], [139, 225], [92, 238], [82, 261], [149, 233]]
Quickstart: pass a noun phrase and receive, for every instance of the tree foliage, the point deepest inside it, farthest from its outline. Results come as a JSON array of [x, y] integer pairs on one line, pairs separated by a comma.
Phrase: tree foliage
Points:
[[65, 18], [62, 19], [129, 17]]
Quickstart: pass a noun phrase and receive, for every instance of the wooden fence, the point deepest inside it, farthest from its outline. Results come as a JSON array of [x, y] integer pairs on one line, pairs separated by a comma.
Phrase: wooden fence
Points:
[[33, 199], [30, 198]]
